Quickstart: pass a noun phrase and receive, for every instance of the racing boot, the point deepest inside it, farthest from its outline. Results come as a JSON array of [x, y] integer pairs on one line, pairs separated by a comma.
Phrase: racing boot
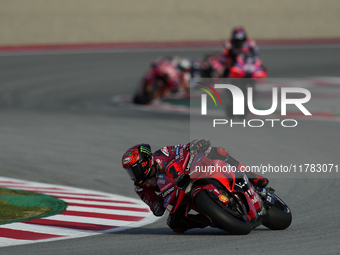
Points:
[[179, 223], [254, 178], [257, 179]]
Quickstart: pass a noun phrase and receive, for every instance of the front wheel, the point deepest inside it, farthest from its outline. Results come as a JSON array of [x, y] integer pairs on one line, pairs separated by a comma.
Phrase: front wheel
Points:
[[220, 216], [148, 93], [279, 216]]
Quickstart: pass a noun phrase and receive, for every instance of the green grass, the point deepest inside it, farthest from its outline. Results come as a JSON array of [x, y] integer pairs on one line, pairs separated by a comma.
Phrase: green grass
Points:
[[10, 212], [6, 192]]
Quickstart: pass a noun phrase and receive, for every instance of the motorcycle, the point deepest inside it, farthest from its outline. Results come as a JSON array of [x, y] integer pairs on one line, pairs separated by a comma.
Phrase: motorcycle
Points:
[[200, 69], [245, 73], [225, 198], [215, 69], [163, 79]]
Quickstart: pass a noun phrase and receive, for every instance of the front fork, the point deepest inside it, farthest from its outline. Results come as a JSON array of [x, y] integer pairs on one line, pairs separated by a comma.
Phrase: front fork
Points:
[[268, 200], [267, 195]]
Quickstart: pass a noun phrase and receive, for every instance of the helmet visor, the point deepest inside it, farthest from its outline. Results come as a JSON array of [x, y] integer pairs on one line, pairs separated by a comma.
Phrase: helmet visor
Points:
[[133, 172], [137, 172]]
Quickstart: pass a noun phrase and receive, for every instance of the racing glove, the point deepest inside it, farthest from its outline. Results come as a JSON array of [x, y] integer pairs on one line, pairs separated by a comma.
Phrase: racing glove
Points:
[[199, 147]]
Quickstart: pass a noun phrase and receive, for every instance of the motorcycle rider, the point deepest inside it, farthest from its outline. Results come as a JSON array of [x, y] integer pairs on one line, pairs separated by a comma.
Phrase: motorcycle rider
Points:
[[175, 72], [184, 66], [143, 166], [238, 46]]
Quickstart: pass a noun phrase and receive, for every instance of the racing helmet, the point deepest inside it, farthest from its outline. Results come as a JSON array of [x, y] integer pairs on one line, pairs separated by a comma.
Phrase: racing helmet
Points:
[[238, 37], [184, 64], [138, 162]]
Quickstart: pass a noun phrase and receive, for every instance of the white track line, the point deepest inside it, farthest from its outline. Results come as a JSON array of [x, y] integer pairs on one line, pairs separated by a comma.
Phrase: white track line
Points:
[[106, 213]]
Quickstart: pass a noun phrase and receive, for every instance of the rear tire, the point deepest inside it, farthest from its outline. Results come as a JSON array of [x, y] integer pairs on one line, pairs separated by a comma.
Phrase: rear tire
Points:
[[279, 216], [219, 216], [137, 99]]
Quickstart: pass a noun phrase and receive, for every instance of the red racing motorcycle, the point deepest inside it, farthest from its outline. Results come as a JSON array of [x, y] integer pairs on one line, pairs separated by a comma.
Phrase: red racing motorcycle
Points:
[[221, 194], [165, 77], [246, 72]]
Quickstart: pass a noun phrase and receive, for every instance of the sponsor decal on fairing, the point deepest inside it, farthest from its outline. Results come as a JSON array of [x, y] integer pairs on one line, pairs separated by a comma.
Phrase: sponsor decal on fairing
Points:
[[165, 151]]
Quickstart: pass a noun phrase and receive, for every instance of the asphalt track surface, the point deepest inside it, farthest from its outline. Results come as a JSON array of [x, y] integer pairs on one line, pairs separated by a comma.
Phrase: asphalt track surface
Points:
[[57, 125]]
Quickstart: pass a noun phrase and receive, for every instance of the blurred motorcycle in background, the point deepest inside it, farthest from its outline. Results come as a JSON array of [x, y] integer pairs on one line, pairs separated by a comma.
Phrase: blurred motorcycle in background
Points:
[[172, 77], [245, 73], [165, 77]]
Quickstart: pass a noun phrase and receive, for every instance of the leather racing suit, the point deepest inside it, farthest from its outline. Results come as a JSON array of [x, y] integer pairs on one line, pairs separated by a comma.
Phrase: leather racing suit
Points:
[[149, 192]]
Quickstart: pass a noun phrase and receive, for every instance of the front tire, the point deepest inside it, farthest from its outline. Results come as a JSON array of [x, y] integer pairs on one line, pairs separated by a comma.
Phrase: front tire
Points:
[[148, 93], [219, 216], [279, 216]]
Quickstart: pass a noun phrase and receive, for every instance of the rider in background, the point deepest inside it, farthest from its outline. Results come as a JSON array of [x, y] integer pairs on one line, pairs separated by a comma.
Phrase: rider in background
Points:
[[175, 71], [238, 45], [143, 166]]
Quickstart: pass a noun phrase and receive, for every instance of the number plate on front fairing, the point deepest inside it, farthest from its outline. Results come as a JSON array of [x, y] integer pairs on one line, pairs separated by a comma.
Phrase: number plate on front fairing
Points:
[[270, 198]]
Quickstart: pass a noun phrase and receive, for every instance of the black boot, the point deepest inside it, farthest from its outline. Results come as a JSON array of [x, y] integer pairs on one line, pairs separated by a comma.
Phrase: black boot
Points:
[[179, 223], [257, 179]]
